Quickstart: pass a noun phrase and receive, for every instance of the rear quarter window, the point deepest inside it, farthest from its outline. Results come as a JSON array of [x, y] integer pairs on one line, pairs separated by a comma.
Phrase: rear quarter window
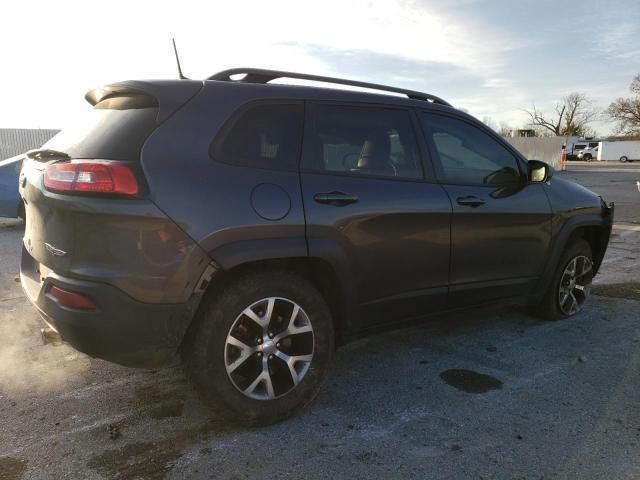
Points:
[[262, 136]]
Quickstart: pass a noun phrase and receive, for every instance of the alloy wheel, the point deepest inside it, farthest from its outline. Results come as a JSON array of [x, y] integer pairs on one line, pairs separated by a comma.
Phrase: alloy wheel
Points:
[[269, 348], [575, 285]]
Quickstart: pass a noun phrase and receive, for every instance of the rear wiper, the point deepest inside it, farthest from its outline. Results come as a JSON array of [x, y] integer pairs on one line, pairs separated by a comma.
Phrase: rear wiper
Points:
[[44, 154]]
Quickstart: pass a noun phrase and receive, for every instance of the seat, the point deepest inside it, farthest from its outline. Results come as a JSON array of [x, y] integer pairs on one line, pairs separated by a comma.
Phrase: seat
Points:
[[375, 156]]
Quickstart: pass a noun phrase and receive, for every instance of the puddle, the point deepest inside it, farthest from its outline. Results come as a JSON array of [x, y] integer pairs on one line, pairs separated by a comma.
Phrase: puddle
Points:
[[12, 468], [137, 460], [151, 460], [172, 409], [470, 381]]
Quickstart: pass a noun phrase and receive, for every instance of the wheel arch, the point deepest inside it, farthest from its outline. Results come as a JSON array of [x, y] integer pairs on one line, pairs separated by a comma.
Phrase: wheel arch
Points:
[[592, 228], [332, 280]]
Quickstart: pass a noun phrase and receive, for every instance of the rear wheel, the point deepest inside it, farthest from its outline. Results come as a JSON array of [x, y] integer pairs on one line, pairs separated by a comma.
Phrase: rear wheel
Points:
[[261, 348], [624, 159], [571, 283]]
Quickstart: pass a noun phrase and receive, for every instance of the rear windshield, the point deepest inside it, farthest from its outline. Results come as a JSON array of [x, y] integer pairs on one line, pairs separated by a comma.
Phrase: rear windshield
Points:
[[115, 129]]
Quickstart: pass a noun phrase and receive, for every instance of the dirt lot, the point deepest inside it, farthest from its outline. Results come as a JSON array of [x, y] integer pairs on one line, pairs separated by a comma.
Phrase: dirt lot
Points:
[[554, 400]]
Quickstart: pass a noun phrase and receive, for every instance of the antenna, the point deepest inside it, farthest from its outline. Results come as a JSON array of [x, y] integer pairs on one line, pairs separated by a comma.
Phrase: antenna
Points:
[[175, 50]]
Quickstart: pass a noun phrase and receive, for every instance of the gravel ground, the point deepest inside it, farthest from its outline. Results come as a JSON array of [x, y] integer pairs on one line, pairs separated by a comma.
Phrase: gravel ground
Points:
[[485, 394]]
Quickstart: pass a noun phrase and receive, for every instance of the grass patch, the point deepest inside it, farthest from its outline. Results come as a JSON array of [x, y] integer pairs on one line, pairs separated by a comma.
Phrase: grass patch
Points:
[[630, 290]]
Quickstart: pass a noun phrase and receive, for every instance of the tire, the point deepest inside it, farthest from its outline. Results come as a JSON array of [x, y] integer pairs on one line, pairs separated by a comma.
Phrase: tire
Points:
[[211, 349], [552, 307], [587, 157], [624, 159]]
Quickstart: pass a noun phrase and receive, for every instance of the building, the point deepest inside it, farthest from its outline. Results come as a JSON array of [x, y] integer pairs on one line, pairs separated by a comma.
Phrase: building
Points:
[[523, 132], [14, 141]]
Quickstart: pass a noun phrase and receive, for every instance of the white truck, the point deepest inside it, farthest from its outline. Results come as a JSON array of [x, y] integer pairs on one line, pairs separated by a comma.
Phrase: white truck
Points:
[[624, 151]]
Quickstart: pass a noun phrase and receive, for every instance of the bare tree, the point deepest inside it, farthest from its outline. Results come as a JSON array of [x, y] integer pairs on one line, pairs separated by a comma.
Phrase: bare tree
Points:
[[572, 116], [505, 129], [626, 111], [488, 121]]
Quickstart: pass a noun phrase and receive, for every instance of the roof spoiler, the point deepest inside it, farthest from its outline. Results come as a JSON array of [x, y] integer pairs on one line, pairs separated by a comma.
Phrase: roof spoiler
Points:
[[169, 94]]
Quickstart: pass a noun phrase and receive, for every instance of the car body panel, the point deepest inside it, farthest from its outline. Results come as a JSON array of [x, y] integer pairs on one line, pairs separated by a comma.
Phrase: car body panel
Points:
[[9, 194], [498, 248], [127, 243], [396, 236]]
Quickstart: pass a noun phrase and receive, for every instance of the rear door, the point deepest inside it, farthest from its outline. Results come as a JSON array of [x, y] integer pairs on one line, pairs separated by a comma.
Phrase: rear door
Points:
[[500, 230], [365, 195]]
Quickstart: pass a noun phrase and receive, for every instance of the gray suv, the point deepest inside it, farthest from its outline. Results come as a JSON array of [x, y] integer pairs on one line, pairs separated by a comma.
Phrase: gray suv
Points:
[[246, 228]]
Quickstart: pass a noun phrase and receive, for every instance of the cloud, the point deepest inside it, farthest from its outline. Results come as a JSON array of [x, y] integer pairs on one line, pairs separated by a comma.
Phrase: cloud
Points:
[[494, 57], [620, 41]]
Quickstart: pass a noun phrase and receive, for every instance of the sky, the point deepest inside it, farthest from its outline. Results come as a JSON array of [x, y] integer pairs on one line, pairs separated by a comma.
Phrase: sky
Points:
[[492, 58]]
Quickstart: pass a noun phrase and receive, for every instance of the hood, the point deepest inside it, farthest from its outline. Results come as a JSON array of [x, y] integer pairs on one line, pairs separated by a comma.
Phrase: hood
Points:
[[567, 195]]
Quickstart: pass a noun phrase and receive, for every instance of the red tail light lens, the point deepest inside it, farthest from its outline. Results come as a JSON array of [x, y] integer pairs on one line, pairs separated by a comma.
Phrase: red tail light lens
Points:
[[69, 299], [90, 177]]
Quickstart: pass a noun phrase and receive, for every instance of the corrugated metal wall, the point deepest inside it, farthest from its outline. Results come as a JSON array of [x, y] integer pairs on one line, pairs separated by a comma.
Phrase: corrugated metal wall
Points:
[[14, 141], [537, 148]]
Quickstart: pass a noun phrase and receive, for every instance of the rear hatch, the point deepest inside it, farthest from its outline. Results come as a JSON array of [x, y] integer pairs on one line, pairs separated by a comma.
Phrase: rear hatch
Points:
[[84, 190]]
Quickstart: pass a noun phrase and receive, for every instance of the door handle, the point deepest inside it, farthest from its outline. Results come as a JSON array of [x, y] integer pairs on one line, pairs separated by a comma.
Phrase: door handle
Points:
[[470, 201], [337, 199]]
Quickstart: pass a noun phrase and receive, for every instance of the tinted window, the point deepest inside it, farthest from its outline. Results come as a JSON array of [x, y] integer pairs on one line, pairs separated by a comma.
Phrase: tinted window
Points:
[[467, 155], [115, 129], [592, 145], [264, 136], [579, 147], [364, 141]]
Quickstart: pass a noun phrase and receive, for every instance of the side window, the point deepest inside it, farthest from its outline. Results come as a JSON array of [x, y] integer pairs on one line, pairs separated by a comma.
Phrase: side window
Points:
[[263, 136], [467, 155], [368, 141]]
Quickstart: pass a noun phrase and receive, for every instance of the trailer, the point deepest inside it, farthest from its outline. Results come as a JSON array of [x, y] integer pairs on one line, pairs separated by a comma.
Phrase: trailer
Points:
[[624, 151]]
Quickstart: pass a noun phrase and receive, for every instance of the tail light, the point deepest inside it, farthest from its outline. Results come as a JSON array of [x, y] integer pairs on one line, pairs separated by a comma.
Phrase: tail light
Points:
[[70, 299], [90, 177]]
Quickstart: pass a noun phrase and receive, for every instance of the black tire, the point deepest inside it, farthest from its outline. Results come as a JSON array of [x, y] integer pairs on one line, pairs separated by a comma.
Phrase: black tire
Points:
[[588, 157], [624, 159], [206, 350], [550, 308]]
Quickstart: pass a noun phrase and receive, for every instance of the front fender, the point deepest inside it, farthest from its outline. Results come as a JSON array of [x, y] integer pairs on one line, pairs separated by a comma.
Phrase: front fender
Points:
[[564, 229]]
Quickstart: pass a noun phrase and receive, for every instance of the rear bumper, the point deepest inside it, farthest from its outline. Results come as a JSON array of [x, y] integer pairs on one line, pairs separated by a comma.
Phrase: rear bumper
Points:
[[120, 329]]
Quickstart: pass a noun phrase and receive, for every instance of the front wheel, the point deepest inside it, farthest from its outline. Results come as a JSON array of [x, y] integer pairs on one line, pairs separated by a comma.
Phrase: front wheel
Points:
[[261, 348], [571, 283]]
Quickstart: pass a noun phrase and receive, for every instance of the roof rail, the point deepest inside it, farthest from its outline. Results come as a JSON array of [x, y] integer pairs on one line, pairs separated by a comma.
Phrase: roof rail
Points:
[[258, 75]]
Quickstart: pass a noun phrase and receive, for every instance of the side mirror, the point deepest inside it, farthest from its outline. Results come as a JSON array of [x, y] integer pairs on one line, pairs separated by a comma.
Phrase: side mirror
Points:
[[539, 172]]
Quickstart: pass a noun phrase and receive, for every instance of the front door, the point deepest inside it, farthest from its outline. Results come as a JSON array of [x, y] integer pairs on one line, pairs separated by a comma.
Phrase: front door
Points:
[[500, 231], [366, 196]]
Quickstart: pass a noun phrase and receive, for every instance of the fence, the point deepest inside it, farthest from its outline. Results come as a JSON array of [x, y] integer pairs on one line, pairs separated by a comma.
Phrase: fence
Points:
[[536, 148], [14, 141]]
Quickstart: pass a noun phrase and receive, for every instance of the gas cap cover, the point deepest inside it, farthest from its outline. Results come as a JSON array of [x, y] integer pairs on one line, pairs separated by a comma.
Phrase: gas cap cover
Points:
[[270, 201]]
